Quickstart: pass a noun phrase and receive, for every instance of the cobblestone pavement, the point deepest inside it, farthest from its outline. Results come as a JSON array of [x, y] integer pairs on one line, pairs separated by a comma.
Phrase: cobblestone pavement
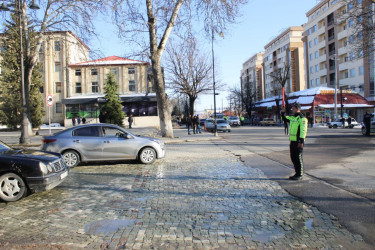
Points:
[[199, 197]]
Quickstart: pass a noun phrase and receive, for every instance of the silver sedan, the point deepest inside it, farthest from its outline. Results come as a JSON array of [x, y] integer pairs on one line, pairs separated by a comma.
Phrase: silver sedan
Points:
[[103, 142]]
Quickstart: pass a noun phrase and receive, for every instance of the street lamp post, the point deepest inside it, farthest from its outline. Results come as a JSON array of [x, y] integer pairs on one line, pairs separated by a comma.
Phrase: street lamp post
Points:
[[337, 84], [213, 77], [25, 136]]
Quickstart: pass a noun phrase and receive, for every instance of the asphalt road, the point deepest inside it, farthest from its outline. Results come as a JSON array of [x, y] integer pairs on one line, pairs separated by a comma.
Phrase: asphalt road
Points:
[[339, 170]]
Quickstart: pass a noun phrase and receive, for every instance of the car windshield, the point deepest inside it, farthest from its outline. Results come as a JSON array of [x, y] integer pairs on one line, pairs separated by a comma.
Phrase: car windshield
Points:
[[209, 121], [233, 118], [221, 121], [4, 147]]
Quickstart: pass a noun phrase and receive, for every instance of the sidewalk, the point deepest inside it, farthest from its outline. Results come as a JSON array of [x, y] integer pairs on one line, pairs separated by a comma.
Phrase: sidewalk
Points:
[[180, 135]]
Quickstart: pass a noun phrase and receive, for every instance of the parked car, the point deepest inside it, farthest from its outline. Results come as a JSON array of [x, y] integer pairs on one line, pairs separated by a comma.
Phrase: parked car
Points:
[[338, 123], [267, 122], [222, 125], [372, 126], [234, 121], [24, 171], [103, 142], [202, 122]]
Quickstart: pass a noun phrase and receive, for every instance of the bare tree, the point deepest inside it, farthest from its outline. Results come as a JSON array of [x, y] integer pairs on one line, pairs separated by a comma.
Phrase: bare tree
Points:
[[75, 15], [280, 77], [245, 98], [190, 70], [360, 20], [155, 19]]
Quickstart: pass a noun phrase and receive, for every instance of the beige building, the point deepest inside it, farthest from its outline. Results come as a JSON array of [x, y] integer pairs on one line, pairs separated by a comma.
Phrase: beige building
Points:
[[328, 35], [252, 76], [285, 50]]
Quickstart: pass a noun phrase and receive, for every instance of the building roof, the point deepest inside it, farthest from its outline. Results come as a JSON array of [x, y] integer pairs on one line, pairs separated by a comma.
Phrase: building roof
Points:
[[110, 60], [290, 29]]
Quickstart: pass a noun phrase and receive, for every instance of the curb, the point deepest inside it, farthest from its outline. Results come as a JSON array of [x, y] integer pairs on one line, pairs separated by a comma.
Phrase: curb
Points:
[[191, 140]]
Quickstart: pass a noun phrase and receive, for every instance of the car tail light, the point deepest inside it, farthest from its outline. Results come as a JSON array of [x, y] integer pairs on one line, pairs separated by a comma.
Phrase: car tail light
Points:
[[46, 141]]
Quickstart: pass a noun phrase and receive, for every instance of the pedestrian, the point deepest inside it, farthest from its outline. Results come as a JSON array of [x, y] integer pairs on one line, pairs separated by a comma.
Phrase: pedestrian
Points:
[[286, 127], [83, 120], [103, 117], [130, 120], [367, 122], [349, 121], [189, 123], [199, 130], [343, 122], [79, 120], [195, 125], [242, 120], [74, 121], [297, 135], [311, 121]]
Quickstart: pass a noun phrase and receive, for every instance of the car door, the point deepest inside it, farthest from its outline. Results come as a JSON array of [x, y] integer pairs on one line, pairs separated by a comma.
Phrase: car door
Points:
[[116, 145], [85, 140]]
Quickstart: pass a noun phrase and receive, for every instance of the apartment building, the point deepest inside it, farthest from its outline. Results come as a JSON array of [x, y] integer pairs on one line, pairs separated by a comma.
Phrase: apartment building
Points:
[[286, 50], [328, 36], [252, 76]]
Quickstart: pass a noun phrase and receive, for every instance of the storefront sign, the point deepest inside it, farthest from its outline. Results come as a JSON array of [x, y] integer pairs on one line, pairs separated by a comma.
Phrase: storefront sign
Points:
[[332, 92]]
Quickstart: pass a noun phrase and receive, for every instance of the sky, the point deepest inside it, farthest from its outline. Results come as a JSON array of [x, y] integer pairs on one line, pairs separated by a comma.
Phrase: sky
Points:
[[261, 21]]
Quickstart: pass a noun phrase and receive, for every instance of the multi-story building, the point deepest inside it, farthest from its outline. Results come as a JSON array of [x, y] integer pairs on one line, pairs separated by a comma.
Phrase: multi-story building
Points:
[[77, 85], [86, 88], [286, 50], [252, 76], [328, 38]]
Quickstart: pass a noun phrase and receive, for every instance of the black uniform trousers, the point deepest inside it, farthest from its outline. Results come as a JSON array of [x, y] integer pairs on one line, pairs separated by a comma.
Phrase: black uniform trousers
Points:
[[296, 157]]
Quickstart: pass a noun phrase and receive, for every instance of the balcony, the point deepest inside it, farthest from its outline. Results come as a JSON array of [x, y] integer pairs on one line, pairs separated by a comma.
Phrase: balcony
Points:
[[331, 53], [331, 22], [332, 37]]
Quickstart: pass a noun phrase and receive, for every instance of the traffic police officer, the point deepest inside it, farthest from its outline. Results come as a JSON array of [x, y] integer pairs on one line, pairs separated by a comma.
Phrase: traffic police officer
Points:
[[297, 134]]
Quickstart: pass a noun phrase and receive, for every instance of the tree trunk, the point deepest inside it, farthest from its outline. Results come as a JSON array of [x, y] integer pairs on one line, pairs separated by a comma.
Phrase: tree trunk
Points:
[[191, 105], [163, 104]]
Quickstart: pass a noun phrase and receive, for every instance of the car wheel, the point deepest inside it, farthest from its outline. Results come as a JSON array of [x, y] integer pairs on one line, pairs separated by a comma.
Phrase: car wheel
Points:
[[229, 130], [71, 158], [334, 126], [147, 155], [12, 187]]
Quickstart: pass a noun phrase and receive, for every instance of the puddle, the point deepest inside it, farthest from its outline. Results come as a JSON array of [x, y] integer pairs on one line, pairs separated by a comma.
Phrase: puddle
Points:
[[266, 236], [107, 226], [309, 223]]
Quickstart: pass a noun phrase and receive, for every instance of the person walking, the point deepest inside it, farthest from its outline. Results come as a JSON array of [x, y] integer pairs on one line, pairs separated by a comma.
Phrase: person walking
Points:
[[195, 125], [367, 122], [199, 130], [297, 135], [74, 121], [286, 127], [189, 123], [83, 120], [79, 120], [130, 120], [349, 122]]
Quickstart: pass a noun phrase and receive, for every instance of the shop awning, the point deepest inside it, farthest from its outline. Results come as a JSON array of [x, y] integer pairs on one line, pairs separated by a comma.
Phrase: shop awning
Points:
[[305, 107], [100, 99], [331, 106]]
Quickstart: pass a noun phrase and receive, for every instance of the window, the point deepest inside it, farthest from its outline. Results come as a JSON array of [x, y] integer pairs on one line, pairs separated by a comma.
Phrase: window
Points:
[[351, 39], [113, 71], [351, 56], [310, 44], [317, 81], [316, 68], [351, 22], [94, 87], [352, 72], [346, 74], [57, 45], [131, 85], [94, 72], [316, 41], [361, 70], [350, 6], [312, 83], [131, 71], [311, 57], [112, 132], [78, 87], [315, 28], [86, 131], [78, 72], [316, 54], [359, 1], [58, 87], [58, 107], [57, 67], [311, 69]]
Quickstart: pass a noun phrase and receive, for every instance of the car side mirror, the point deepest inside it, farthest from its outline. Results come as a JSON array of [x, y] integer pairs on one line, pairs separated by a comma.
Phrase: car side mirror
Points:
[[128, 137]]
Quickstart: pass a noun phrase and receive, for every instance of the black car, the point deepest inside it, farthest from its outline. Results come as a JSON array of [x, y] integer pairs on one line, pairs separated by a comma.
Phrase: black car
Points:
[[24, 171]]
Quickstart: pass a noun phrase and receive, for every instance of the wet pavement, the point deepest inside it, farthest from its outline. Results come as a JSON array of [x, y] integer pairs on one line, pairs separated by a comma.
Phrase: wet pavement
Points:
[[198, 197]]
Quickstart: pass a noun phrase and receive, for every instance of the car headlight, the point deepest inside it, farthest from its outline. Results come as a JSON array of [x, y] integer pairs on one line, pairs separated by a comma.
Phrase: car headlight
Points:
[[160, 142], [43, 167]]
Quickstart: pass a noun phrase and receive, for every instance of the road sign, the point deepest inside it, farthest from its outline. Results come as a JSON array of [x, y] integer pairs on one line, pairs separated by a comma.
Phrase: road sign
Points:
[[49, 100]]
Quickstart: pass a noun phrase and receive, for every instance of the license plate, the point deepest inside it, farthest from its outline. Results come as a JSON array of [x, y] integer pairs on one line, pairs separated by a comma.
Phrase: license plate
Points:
[[63, 175]]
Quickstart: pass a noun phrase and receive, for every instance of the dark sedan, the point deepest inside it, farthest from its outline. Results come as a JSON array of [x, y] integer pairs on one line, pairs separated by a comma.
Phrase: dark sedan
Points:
[[24, 171]]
